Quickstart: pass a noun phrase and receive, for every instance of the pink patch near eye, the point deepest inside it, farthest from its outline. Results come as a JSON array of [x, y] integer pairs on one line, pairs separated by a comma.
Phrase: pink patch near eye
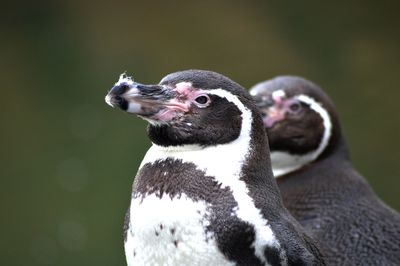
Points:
[[292, 106], [184, 88], [270, 121], [278, 97], [186, 91]]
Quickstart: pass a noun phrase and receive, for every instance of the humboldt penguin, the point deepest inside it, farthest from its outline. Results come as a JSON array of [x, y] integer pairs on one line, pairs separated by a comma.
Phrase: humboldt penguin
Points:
[[204, 193], [319, 185]]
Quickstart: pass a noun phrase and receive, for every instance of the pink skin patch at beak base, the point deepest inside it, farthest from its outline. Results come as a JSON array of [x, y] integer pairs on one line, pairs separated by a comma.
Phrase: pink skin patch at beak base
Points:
[[171, 110], [186, 95], [165, 115], [273, 116], [180, 105], [276, 112], [279, 110]]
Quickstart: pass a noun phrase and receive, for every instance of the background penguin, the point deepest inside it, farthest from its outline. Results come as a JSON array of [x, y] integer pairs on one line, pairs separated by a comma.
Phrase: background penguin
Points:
[[201, 195], [318, 183]]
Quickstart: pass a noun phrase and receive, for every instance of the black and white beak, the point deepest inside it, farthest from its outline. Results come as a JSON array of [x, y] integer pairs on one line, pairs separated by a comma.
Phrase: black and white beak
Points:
[[154, 102]]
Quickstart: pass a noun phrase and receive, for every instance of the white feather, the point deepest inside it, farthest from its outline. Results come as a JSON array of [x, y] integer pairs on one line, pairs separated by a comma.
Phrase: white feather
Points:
[[278, 94], [169, 232], [123, 78]]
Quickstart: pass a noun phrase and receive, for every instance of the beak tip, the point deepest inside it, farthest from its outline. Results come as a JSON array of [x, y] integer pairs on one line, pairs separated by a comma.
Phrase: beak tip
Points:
[[108, 100]]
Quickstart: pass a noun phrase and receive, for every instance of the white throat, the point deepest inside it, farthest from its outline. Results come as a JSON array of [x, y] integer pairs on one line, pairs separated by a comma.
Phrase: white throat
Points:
[[284, 163]]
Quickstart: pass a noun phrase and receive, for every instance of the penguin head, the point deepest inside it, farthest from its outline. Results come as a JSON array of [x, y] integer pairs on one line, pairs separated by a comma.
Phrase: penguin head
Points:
[[300, 120], [188, 107]]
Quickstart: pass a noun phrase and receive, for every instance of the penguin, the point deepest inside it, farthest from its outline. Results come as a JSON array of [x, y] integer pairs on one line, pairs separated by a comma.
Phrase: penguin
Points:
[[319, 185], [204, 193]]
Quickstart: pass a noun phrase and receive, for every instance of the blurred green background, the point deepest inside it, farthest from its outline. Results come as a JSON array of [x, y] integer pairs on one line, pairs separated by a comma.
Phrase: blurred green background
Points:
[[68, 159]]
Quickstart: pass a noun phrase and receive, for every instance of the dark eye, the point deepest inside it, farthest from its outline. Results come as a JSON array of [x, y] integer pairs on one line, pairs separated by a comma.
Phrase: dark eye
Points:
[[202, 100], [295, 107]]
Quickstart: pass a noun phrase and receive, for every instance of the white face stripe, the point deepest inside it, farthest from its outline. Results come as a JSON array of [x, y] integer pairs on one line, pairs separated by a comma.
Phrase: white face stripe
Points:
[[253, 92], [317, 107], [224, 162], [283, 163], [278, 94]]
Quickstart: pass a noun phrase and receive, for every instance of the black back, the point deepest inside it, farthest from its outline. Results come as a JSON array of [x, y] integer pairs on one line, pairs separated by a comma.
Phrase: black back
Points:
[[337, 207]]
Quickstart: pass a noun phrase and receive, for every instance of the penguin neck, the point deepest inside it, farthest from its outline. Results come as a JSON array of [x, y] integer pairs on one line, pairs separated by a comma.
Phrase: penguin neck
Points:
[[218, 160], [337, 152]]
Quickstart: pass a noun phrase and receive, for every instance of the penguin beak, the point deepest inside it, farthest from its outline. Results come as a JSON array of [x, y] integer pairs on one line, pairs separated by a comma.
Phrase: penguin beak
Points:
[[270, 111], [153, 102]]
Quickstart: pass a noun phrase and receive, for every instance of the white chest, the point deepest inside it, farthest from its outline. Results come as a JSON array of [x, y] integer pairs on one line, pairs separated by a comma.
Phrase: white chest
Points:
[[170, 232]]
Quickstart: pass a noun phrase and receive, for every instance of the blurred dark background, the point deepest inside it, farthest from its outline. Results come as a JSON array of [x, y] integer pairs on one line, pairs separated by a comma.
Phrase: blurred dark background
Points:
[[68, 159]]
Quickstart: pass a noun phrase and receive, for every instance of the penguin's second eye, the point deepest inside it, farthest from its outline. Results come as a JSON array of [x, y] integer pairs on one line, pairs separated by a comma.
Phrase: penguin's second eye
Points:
[[295, 107], [202, 100]]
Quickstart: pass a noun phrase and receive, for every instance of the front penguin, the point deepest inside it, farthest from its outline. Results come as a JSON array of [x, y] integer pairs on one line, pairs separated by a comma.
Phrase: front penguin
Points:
[[204, 193]]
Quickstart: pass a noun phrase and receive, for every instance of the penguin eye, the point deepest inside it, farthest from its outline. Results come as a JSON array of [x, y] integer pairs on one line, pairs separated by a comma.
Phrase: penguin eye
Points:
[[295, 107], [202, 100]]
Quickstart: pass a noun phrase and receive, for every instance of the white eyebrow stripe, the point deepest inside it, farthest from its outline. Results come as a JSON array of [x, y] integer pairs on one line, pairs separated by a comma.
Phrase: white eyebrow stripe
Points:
[[278, 94], [326, 119]]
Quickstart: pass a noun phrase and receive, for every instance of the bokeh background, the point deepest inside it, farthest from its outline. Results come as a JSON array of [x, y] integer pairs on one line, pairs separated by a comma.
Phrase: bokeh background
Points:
[[67, 159]]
